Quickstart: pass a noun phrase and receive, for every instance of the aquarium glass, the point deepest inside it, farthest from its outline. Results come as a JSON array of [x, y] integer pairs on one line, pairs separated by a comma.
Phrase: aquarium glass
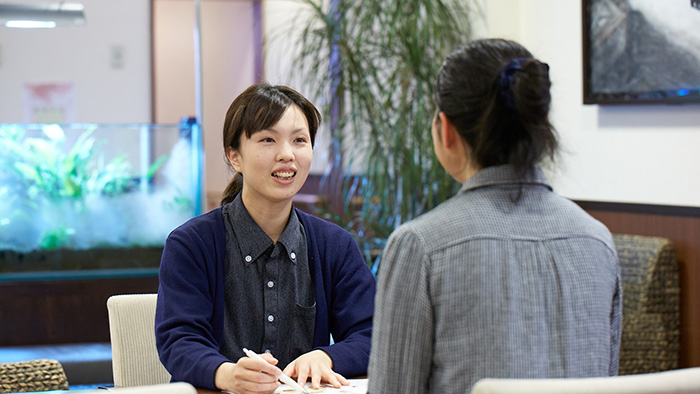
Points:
[[86, 186]]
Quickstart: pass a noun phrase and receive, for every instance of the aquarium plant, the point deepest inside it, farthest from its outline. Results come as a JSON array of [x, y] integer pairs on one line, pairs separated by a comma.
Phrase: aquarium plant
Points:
[[59, 196]]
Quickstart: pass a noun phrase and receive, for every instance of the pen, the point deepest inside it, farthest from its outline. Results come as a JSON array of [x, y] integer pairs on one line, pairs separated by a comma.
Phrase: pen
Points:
[[282, 376]]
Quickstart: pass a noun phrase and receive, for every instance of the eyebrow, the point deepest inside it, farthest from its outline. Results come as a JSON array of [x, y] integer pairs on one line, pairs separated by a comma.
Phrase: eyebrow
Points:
[[299, 130]]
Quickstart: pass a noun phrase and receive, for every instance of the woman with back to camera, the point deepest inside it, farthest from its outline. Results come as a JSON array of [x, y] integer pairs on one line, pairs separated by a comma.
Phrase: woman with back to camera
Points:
[[505, 279], [257, 273]]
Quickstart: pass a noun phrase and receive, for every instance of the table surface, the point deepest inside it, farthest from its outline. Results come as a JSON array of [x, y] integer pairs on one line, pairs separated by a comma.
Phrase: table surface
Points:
[[357, 385], [199, 390]]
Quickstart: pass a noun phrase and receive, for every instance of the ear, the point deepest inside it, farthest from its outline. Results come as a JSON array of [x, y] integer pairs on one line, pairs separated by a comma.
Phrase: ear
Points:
[[448, 133], [234, 157]]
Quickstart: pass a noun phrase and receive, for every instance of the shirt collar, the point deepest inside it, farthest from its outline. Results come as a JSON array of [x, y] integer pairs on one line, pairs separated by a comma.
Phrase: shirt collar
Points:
[[253, 241], [502, 175], [292, 237]]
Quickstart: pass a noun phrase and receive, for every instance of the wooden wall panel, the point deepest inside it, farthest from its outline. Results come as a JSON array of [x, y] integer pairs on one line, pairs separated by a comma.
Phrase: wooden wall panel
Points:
[[682, 226], [62, 311]]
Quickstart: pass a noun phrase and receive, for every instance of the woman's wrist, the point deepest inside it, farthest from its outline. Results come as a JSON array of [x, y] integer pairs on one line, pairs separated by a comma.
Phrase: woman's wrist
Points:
[[223, 375]]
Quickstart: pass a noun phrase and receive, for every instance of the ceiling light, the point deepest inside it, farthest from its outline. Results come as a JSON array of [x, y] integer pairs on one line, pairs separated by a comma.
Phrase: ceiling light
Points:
[[38, 16]]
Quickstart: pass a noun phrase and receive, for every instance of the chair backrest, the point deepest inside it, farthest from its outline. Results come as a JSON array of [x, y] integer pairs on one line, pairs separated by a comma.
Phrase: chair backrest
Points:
[[650, 304], [32, 375], [132, 331], [171, 388], [681, 381]]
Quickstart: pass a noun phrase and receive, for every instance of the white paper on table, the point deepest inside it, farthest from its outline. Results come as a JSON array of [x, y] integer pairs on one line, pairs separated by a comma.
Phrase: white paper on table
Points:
[[357, 386]]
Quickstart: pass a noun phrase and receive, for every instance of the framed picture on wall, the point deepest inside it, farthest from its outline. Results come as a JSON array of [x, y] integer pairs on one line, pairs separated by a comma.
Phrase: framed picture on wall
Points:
[[641, 51]]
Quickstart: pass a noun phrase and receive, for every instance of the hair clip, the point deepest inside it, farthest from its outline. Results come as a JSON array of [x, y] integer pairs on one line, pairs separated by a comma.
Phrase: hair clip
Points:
[[505, 79]]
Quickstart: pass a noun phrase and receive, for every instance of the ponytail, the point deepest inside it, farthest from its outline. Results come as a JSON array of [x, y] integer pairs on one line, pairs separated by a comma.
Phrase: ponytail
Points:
[[232, 189], [497, 96], [520, 114]]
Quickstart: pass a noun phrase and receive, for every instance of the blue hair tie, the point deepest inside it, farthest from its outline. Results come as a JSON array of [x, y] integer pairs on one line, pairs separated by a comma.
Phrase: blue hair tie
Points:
[[505, 79]]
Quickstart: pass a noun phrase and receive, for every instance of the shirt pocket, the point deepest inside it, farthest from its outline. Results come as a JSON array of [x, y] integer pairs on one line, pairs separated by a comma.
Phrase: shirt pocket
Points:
[[303, 324]]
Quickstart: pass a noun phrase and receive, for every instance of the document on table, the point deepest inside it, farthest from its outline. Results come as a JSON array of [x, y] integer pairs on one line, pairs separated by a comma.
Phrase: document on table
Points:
[[357, 386]]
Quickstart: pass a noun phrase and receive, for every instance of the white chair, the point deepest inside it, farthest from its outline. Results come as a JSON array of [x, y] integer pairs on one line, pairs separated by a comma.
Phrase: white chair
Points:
[[172, 388], [131, 327], [680, 381]]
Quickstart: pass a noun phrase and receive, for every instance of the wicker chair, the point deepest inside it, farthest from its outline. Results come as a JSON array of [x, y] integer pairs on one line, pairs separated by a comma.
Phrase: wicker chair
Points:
[[651, 303], [33, 375]]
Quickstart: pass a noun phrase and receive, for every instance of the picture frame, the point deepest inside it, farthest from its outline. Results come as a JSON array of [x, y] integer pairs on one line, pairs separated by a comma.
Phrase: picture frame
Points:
[[641, 51]]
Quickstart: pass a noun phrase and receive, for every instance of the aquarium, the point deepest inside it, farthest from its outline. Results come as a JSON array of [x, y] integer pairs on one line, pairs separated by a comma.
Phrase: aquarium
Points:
[[70, 190]]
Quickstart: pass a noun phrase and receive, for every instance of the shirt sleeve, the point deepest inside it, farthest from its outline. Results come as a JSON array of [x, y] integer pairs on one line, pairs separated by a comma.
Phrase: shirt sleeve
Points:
[[351, 310], [402, 342], [616, 326], [184, 332]]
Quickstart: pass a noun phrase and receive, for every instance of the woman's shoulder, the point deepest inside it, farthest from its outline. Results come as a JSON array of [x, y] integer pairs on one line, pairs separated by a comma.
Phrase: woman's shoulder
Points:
[[323, 235], [203, 236], [319, 226], [437, 220], [211, 221]]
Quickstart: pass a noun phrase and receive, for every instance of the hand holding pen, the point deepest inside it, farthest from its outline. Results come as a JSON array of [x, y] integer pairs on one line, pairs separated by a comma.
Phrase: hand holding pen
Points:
[[248, 375]]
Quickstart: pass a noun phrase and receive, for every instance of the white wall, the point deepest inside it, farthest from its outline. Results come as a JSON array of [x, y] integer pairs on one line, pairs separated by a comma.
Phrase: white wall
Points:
[[280, 18], [82, 56], [228, 67], [634, 154]]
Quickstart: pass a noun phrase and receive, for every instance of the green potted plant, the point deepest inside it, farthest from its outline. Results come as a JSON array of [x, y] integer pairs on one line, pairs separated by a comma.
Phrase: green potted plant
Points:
[[374, 64]]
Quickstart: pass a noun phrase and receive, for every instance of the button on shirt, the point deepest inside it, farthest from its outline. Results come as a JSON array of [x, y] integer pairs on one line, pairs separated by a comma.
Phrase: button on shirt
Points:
[[270, 304]]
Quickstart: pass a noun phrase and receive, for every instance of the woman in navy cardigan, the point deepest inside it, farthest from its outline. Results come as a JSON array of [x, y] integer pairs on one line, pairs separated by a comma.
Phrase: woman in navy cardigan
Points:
[[258, 273]]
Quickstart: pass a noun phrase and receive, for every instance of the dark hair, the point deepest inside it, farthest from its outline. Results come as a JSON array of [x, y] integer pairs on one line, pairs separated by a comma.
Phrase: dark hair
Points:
[[497, 96], [258, 108]]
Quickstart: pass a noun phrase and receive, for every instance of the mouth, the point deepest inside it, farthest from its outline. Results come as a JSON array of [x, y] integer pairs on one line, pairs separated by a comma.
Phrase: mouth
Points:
[[284, 175]]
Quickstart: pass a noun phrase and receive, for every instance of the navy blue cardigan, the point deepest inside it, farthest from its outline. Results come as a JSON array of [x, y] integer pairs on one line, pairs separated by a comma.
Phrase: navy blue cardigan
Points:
[[190, 311]]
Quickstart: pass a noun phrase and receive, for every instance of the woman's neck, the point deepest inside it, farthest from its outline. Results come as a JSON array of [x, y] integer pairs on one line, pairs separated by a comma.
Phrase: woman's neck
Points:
[[272, 218]]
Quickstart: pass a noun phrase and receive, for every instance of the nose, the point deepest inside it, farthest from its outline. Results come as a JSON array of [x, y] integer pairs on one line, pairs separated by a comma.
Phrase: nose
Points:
[[285, 152]]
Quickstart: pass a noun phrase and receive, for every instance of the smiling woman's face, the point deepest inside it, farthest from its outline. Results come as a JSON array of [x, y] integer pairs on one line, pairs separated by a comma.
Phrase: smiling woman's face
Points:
[[274, 162]]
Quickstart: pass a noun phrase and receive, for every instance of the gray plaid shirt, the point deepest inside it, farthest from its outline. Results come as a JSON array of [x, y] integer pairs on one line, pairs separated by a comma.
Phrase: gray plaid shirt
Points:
[[483, 286]]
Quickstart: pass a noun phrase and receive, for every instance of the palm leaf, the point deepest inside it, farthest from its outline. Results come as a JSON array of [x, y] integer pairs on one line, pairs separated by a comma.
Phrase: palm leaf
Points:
[[377, 61]]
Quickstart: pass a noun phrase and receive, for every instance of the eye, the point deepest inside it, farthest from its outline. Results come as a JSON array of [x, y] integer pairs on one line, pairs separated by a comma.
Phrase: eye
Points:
[[267, 139], [300, 140]]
